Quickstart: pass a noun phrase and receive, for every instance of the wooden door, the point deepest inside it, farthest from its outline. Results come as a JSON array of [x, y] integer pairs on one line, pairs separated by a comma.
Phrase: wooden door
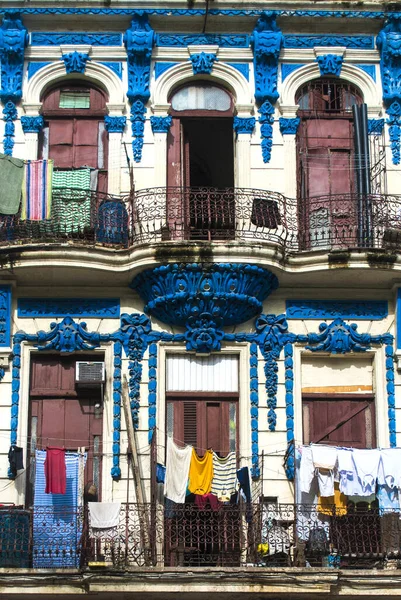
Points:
[[341, 421], [63, 414]]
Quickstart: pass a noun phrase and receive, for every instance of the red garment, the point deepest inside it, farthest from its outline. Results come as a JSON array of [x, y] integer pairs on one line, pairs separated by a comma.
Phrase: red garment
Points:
[[55, 471], [201, 501]]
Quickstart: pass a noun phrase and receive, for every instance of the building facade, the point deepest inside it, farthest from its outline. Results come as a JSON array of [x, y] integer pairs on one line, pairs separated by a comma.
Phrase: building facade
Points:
[[207, 248]]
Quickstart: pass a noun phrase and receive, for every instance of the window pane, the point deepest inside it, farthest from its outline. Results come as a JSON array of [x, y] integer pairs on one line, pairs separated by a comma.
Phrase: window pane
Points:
[[74, 99], [201, 98]]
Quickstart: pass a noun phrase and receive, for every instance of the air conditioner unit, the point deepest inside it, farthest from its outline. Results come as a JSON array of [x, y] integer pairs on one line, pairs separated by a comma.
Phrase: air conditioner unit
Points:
[[89, 373]]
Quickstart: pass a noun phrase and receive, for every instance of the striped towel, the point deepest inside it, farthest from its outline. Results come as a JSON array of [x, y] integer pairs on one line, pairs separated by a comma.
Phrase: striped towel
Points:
[[36, 190], [224, 476], [72, 200], [78, 179]]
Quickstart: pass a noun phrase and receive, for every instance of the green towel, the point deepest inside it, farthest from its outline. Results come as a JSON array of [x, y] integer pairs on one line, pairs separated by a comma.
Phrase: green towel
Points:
[[71, 207], [11, 176]]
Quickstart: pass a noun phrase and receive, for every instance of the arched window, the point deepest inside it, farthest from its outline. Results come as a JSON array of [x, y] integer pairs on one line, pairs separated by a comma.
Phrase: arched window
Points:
[[74, 136]]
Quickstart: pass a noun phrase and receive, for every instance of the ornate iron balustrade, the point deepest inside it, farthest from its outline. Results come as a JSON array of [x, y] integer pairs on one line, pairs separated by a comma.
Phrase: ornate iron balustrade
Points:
[[236, 535], [321, 223]]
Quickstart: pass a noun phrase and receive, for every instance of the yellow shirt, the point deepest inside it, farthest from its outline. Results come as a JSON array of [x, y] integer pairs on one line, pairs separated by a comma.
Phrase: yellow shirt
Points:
[[325, 504], [201, 473]]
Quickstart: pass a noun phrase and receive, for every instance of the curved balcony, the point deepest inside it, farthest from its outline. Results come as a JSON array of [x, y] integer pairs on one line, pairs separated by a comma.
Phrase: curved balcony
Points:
[[322, 223]]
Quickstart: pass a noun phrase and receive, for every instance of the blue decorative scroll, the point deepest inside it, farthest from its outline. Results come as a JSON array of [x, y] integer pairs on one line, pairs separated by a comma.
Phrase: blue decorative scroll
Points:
[[104, 308], [50, 38], [373, 310], [5, 316], [152, 390], [254, 401]]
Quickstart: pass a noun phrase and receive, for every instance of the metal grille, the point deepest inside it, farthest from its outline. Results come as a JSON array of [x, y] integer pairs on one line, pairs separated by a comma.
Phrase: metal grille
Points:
[[190, 424], [328, 96]]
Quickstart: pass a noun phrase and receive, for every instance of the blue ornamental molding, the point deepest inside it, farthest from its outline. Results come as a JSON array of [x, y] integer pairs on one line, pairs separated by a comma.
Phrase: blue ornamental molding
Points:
[[375, 126], [50, 38], [287, 69], [32, 124], [388, 43], [389, 352], [330, 64], [117, 393], [183, 40], [75, 62], [372, 310], [242, 68], [369, 69], [254, 402], [152, 390], [116, 67], [271, 336], [5, 316], [244, 125], [267, 41], [34, 67], [204, 298], [102, 308], [289, 126], [115, 124], [161, 124], [13, 40], [202, 63], [161, 67], [138, 41], [360, 42], [65, 337], [289, 410]]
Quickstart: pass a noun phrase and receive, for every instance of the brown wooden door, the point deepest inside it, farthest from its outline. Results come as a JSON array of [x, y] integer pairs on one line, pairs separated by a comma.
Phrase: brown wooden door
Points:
[[342, 421], [204, 424], [64, 415]]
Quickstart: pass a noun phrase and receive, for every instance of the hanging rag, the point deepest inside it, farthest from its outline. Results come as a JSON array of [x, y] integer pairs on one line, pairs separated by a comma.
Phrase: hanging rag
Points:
[[389, 472], [11, 177], [55, 471], [160, 473], [37, 190], [201, 473], [72, 200], [346, 470], [245, 483], [366, 465], [324, 457], [306, 470], [202, 501], [104, 515], [177, 469], [224, 482], [15, 459]]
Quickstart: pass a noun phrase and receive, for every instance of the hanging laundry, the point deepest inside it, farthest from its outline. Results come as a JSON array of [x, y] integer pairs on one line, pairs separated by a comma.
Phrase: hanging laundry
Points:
[[306, 470], [389, 471], [15, 458], [160, 473], [338, 500], [177, 469], [37, 190], [388, 498], [324, 457], [346, 470], [202, 501], [55, 471], [366, 466], [104, 515], [72, 200], [325, 479], [201, 473], [245, 483], [11, 177], [224, 482]]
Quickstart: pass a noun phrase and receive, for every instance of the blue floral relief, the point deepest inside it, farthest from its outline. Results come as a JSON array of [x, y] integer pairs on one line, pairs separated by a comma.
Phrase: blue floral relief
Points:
[[161, 124], [289, 126], [330, 64], [32, 124], [202, 63], [244, 125], [75, 62]]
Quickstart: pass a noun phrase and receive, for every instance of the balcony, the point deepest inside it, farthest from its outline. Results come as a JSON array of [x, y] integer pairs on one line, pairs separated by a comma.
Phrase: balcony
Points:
[[324, 223], [241, 536]]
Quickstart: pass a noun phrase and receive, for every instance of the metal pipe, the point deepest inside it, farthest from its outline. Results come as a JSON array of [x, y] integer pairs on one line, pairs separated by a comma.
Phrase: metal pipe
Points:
[[366, 170], [358, 166]]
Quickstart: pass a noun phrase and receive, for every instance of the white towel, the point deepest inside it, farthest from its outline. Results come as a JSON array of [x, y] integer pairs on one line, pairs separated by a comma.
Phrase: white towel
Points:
[[224, 476], [306, 470], [389, 472], [366, 465], [104, 514], [324, 457], [177, 471]]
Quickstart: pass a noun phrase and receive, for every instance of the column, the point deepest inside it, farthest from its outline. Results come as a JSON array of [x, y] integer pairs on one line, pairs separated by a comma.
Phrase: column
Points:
[[160, 127], [31, 127], [243, 127], [115, 127], [288, 128]]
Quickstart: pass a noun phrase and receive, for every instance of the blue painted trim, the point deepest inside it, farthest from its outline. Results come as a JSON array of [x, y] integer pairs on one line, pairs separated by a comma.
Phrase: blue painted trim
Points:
[[34, 67], [182, 40], [369, 69], [365, 42], [242, 68], [392, 427], [373, 310], [289, 409], [116, 67], [152, 390], [289, 126], [5, 316], [287, 69], [254, 402], [375, 126], [161, 67], [117, 391], [105, 308], [202, 63], [52, 38]]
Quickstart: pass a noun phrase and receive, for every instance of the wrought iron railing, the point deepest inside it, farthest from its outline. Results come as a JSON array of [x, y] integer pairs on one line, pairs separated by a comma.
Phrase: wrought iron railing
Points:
[[322, 223], [235, 535]]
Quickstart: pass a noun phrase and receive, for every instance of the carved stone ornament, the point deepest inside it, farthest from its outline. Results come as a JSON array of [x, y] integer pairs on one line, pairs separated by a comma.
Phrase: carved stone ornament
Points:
[[389, 45], [266, 42], [375, 126], [138, 41], [244, 125], [75, 62], [289, 126], [161, 124], [202, 63], [115, 124], [32, 124], [330, 64]]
